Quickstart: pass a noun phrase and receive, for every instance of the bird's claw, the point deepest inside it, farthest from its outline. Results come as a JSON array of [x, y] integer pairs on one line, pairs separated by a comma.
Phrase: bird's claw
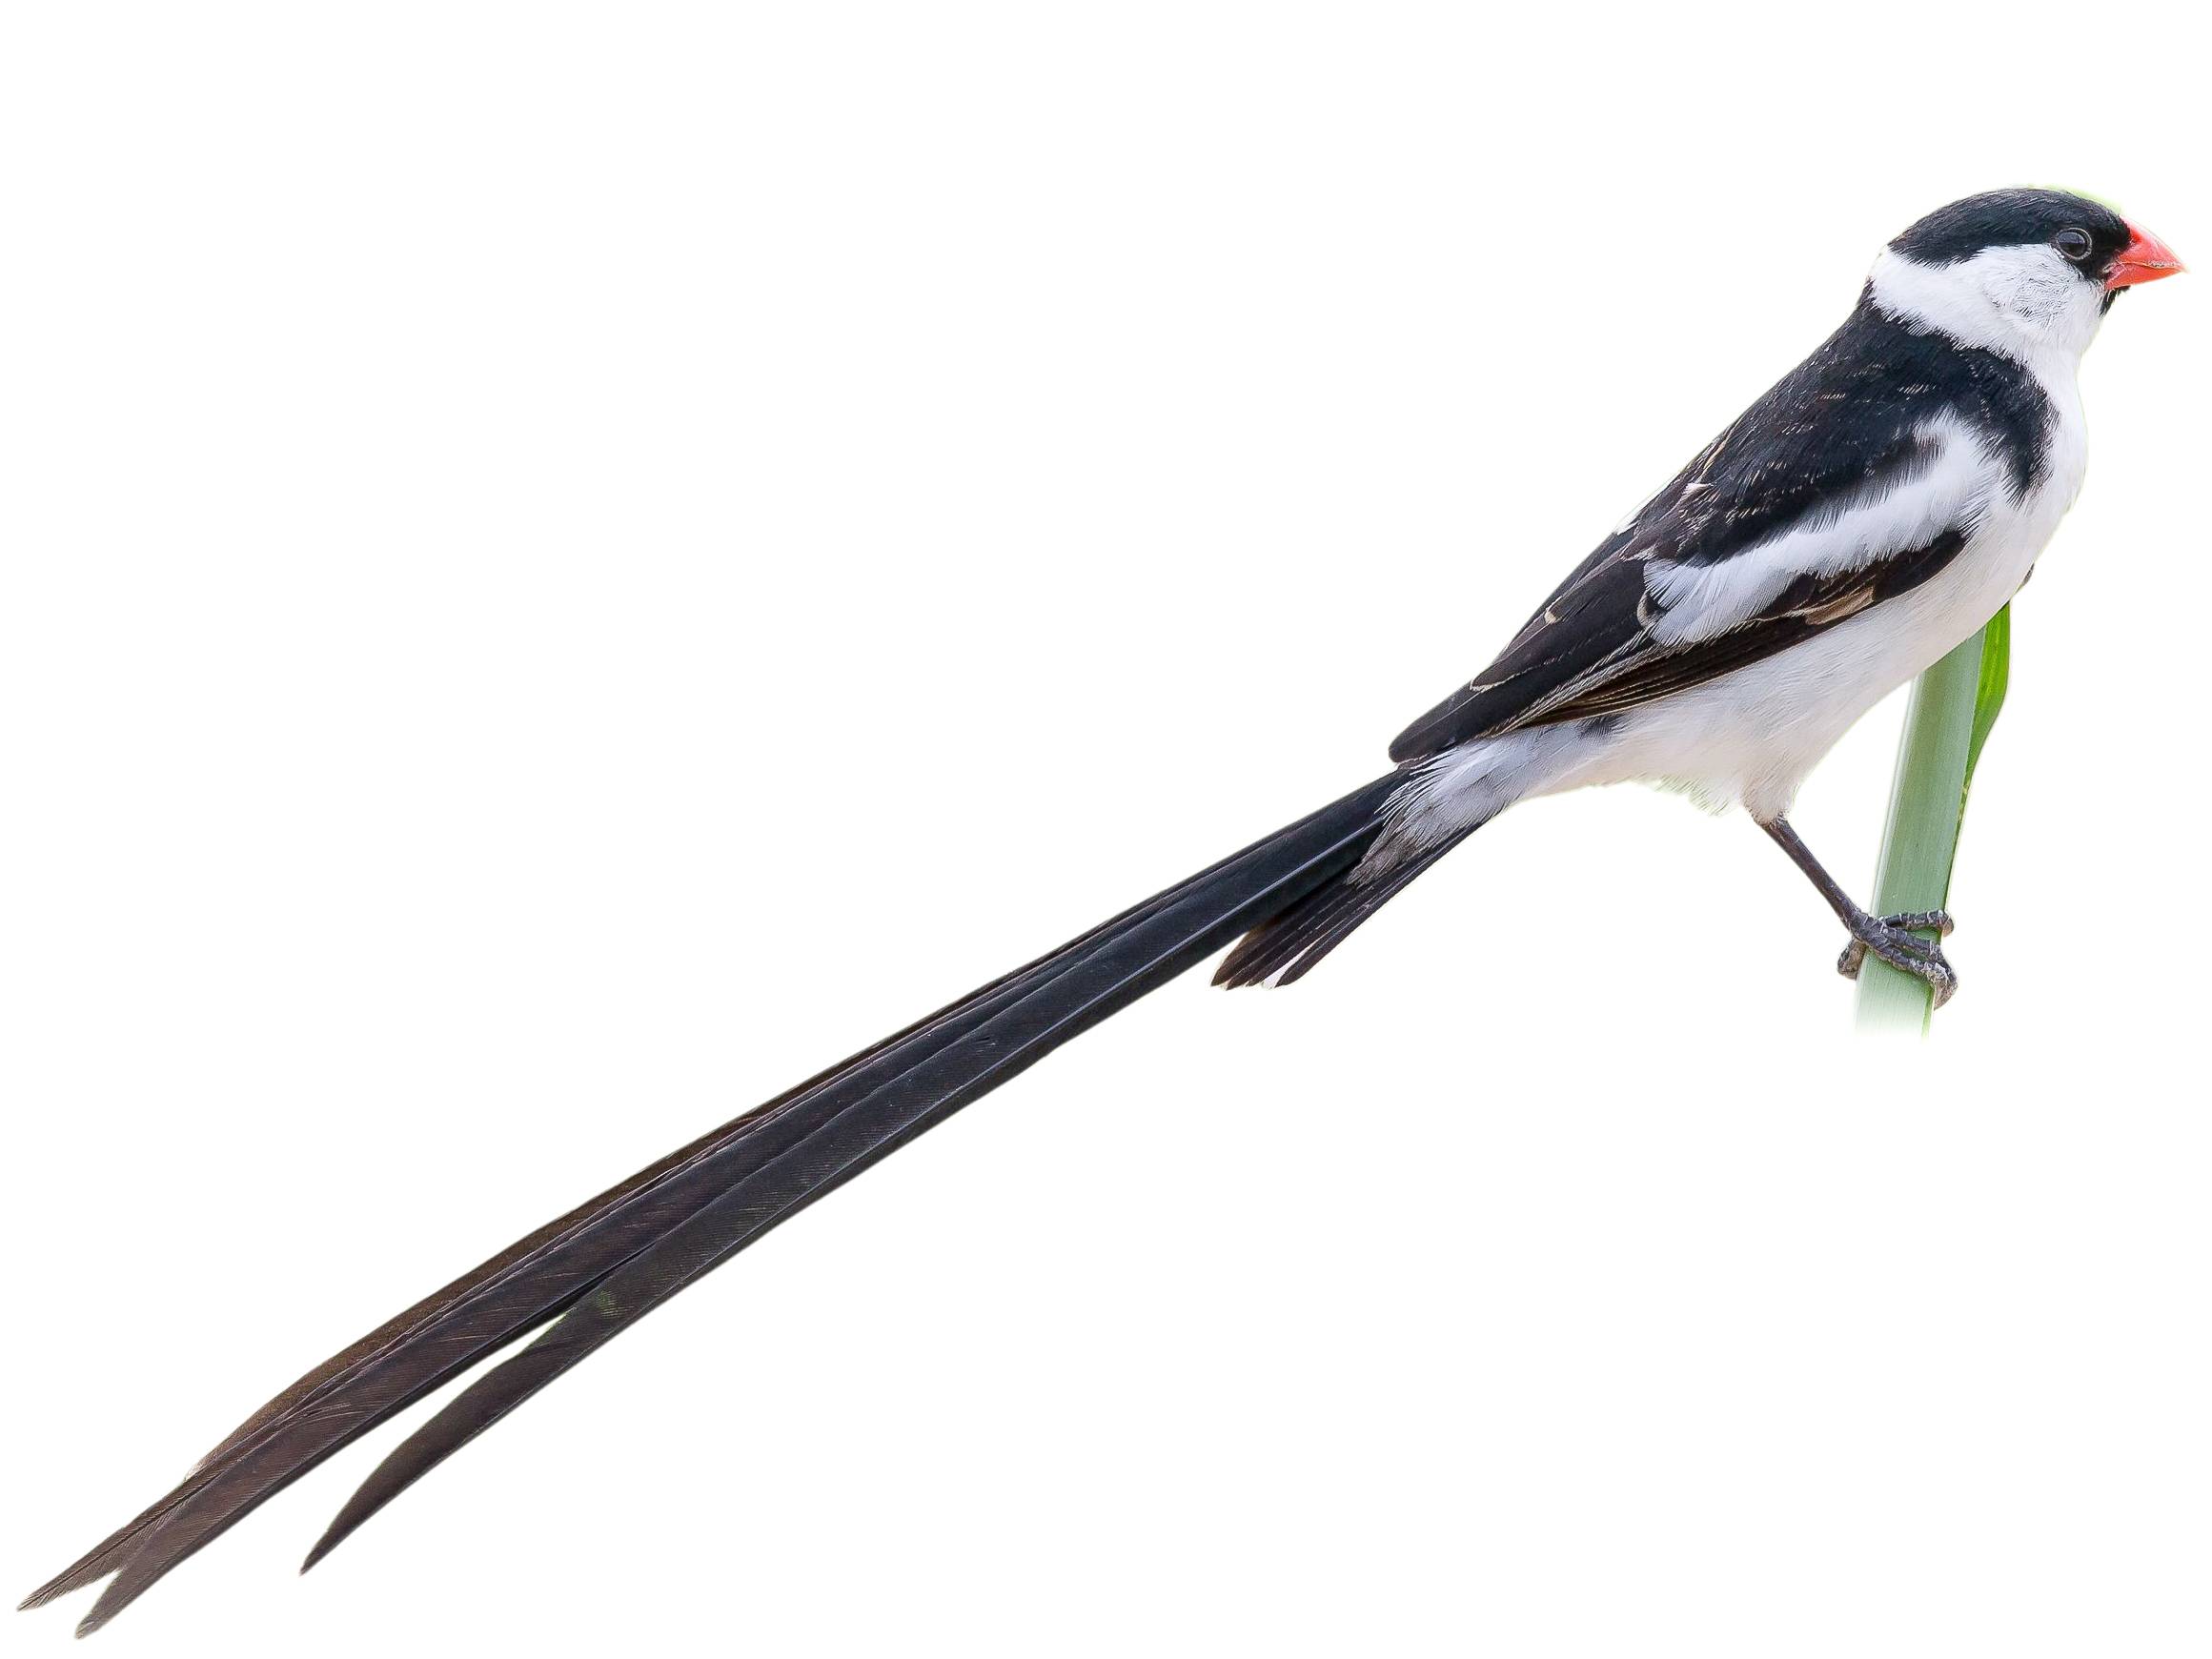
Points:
[[1893, 940], [1936, 922]]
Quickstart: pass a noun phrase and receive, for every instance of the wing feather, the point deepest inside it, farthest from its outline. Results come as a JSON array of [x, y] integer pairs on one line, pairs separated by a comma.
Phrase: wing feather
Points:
[[1807, 512]]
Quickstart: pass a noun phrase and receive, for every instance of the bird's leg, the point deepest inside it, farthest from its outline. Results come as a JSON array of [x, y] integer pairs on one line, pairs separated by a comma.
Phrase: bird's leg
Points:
[[1893, 939]]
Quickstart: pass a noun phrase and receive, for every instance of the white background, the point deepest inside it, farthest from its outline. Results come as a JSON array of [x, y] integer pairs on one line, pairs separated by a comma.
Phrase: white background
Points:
[[567, 565]]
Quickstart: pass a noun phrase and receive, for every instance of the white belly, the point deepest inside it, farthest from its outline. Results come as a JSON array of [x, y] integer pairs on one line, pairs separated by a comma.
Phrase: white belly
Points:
[[1752, 736]]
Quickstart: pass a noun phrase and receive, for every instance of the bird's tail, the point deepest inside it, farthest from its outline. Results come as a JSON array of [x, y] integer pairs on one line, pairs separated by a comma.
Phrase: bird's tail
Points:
[[1283, 949], [600, 1268]]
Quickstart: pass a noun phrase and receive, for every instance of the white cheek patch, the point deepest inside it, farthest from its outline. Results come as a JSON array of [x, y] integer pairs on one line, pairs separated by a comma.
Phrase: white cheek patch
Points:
[[2029, 303], [2033, 286], [1699, 601]]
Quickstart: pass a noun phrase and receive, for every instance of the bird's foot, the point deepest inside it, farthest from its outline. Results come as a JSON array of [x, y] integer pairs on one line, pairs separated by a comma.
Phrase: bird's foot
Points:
[[1895, 939]]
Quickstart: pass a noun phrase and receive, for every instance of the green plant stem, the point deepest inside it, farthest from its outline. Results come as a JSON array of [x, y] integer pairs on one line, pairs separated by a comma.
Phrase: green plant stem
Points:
[[1953, 707]]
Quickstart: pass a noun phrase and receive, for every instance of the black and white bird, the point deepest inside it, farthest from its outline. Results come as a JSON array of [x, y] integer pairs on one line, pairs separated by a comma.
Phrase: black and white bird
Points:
[[1872, 509]]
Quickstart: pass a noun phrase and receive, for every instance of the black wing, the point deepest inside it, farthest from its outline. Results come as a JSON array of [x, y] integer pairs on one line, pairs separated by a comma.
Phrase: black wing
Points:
[[1845, 430]]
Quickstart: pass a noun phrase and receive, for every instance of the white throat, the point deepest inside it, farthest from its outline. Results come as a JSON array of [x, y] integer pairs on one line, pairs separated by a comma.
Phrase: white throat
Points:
[[2027, 304]]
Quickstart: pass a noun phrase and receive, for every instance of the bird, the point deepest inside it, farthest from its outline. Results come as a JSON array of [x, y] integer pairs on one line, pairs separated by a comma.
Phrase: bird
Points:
[[1875, 507]]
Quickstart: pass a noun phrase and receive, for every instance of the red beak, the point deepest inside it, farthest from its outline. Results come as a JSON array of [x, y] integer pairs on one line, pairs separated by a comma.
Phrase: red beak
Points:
[[2144, 259]]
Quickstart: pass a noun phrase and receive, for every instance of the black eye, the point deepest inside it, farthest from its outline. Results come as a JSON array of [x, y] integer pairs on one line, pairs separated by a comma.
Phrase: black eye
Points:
[[2074, 244]]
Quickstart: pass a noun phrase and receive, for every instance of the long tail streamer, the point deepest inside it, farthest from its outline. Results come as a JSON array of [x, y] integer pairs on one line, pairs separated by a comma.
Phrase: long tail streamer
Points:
[[600, 1268]]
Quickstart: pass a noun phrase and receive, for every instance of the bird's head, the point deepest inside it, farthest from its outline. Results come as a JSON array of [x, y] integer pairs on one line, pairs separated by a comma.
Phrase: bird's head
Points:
[[2027, 273]]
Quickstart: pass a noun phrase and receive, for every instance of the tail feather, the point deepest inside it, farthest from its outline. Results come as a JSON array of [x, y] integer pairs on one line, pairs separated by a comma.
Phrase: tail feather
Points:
[[597, 1270], [1284, 950]]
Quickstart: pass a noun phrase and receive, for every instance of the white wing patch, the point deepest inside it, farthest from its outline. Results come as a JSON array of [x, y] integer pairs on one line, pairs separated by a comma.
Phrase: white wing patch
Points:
[[1700, 601]]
